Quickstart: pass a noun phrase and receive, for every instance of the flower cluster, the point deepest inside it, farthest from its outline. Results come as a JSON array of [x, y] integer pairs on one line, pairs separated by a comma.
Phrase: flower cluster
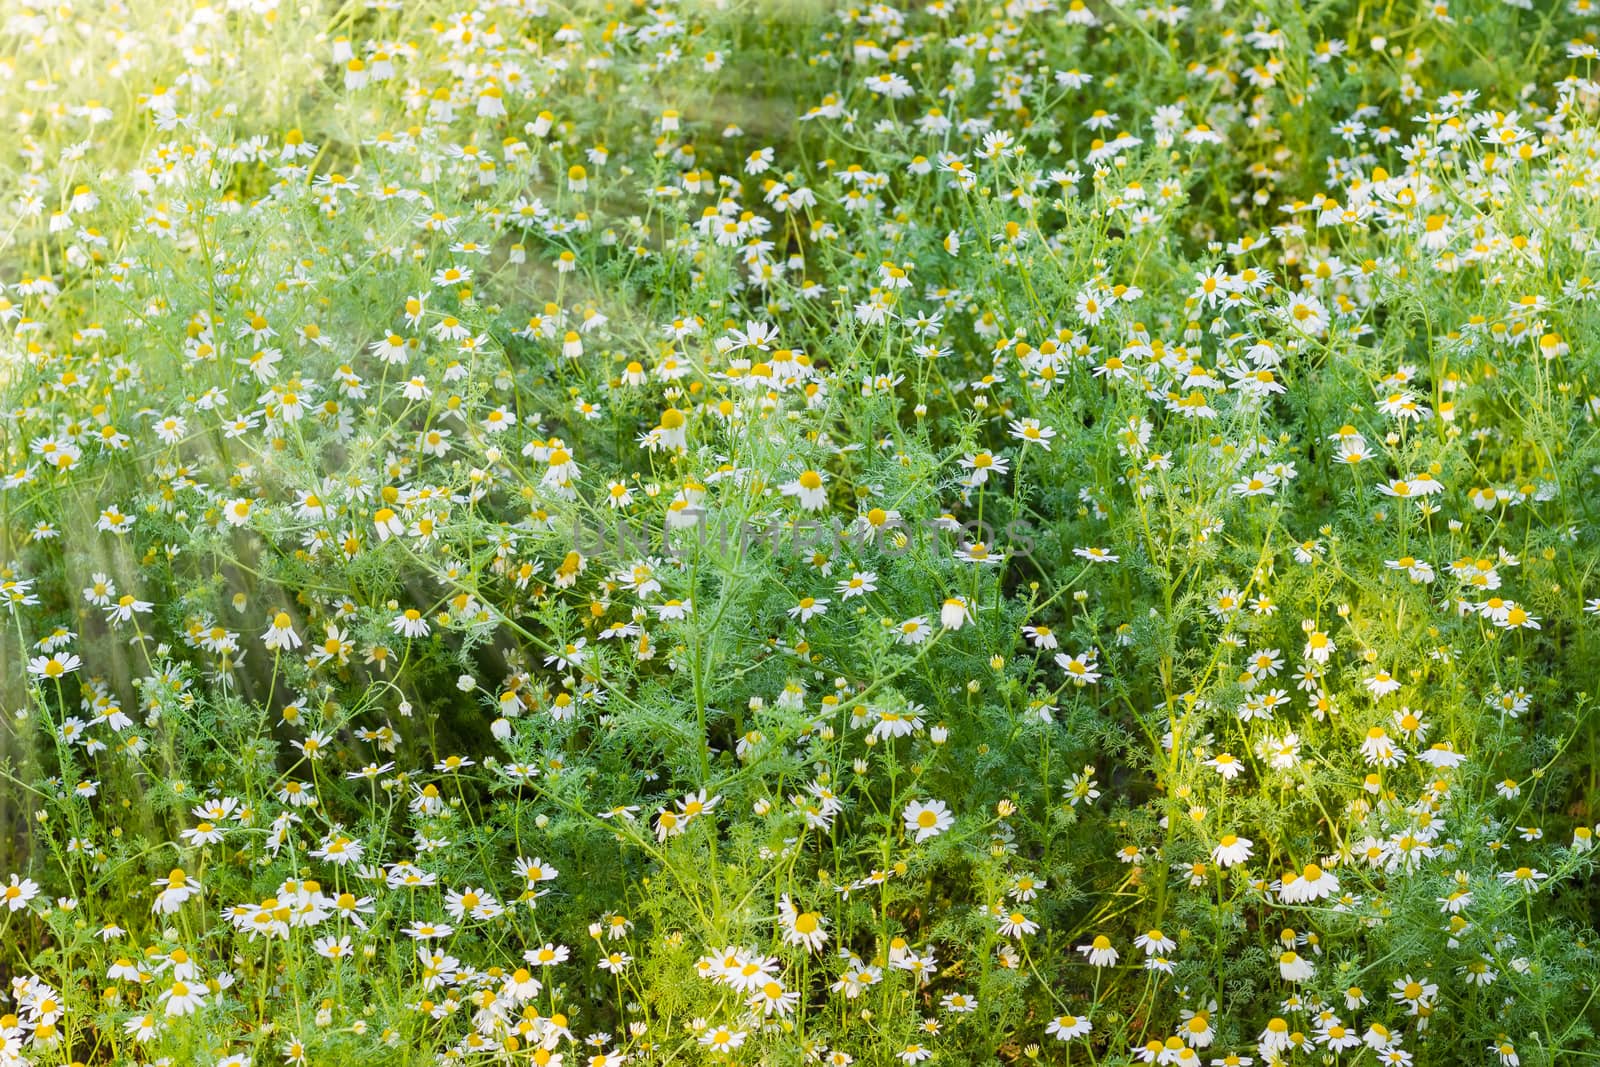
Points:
[[1172, 433]]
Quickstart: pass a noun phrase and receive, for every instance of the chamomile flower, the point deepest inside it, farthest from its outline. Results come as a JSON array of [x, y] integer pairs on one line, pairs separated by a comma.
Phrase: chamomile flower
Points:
[[1231, 849], [810, 489], [927, 819], [1100, 952], [1067, 1027]]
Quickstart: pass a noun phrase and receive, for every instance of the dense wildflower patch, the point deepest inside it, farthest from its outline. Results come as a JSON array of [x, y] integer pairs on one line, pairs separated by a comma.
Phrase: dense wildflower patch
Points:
[[694, 532]]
